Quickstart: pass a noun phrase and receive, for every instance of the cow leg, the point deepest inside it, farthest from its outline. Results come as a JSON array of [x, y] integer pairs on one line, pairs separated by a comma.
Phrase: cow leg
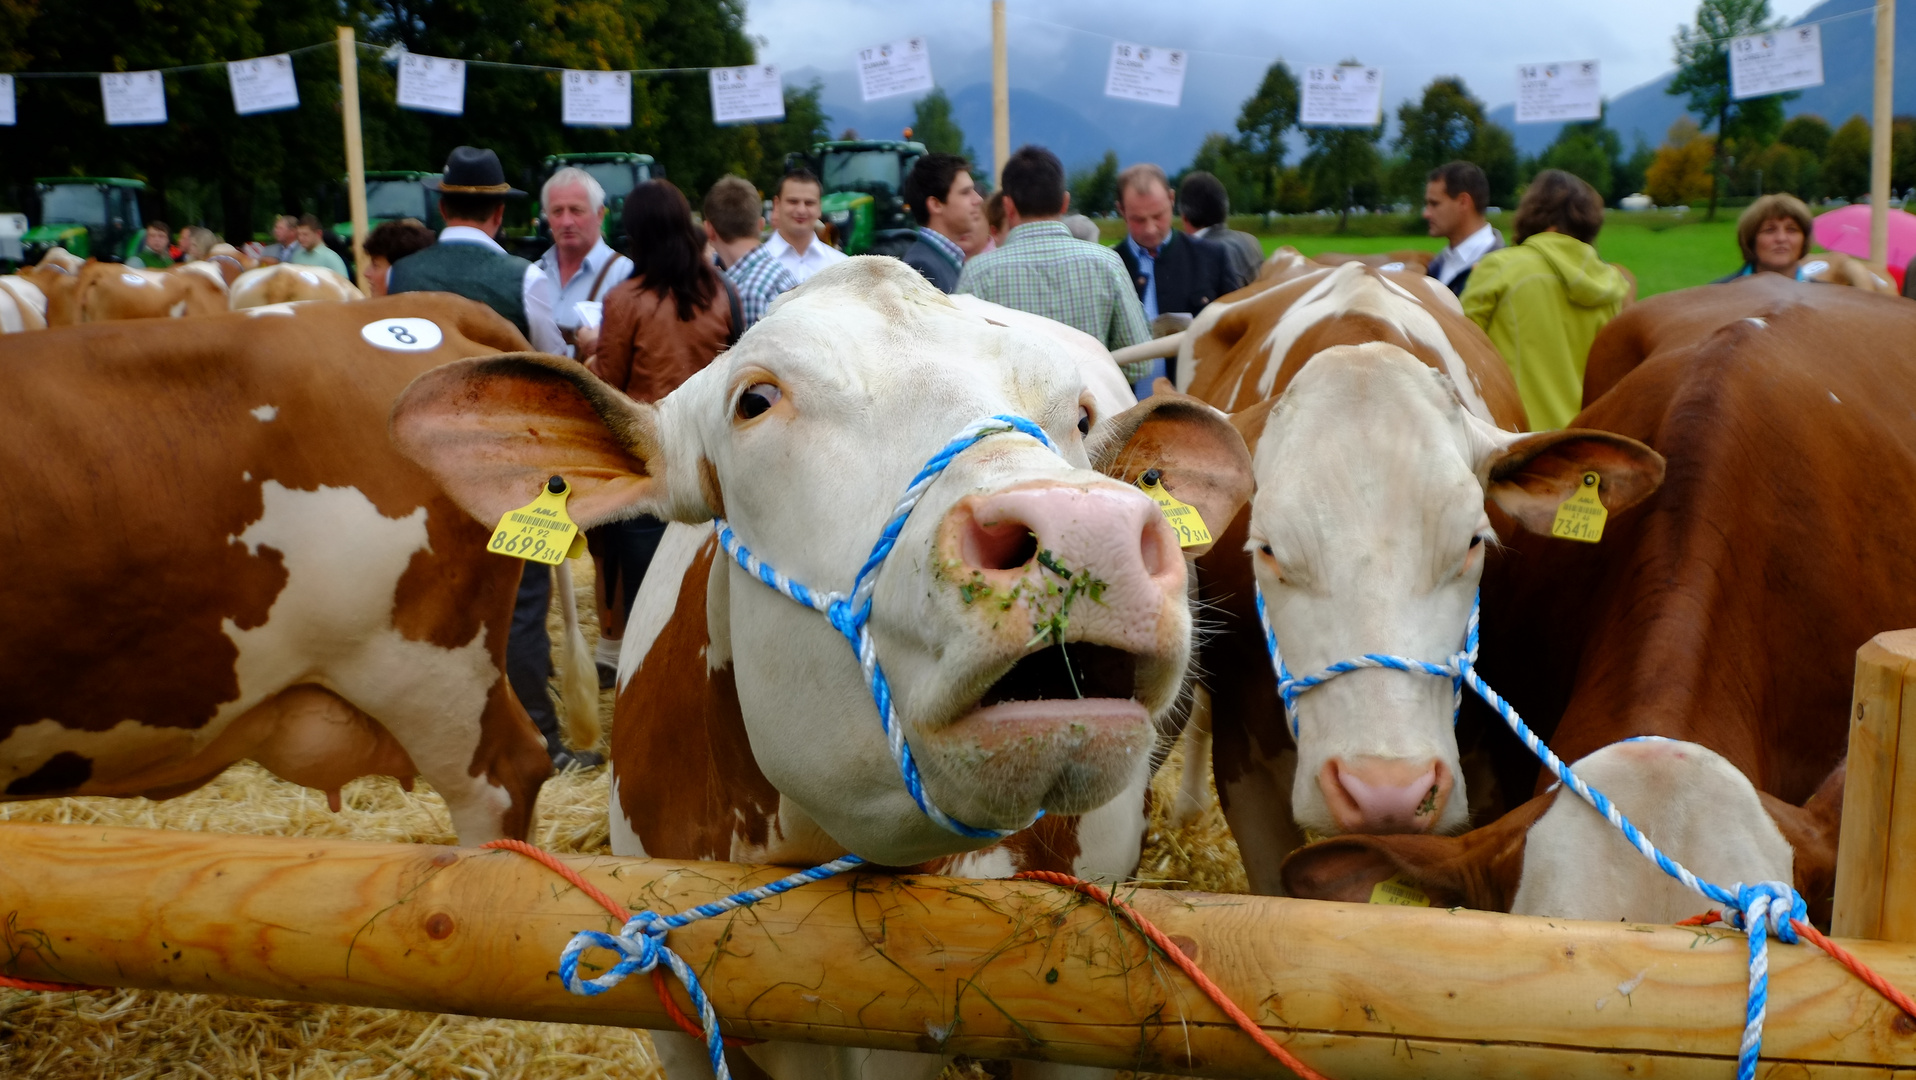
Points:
[[1257, 807], [1194, 793]]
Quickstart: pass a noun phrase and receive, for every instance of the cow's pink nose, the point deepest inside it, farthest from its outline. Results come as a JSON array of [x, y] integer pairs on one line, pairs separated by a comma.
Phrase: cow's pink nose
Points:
[[1385, 795], [1117, 533]]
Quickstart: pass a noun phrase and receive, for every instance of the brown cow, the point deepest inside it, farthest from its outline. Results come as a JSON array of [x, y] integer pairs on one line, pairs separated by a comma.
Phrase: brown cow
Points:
[[217, 554], [285, 283], [1724, 611], [110, 291]]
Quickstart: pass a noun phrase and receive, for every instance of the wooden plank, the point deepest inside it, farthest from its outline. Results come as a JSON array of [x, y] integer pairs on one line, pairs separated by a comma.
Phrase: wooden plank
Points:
[[1884, 666], [994, 969], [355, 152]]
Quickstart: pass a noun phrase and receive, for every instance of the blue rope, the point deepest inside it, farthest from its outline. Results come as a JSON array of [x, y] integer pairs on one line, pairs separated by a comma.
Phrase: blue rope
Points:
[[641, 948], [1760, 910], [850, 613]]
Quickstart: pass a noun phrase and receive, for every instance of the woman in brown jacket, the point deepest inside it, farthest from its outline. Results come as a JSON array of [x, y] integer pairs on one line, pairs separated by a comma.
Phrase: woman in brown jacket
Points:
[[669, 319]]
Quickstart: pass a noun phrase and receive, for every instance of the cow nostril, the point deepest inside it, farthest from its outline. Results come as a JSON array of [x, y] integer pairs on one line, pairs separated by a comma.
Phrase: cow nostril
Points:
[[1004, 545], [1158, 547]]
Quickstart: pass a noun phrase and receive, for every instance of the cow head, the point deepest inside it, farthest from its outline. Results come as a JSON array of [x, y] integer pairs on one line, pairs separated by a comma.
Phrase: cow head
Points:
[[1367, 535], [1031, 618]]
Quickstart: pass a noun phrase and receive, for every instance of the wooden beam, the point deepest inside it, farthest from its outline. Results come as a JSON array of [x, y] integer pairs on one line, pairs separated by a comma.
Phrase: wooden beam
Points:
[[355, 150], [1000, 95], [1876, 855], [991, 968], [1880, 133]]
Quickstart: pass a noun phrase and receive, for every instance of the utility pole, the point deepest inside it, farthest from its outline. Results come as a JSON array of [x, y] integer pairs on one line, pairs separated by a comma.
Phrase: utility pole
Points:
[[355, 148], [1879, 141], [1000, 94]]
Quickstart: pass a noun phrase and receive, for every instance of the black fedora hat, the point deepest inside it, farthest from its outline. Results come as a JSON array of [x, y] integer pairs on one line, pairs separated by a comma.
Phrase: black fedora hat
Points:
[[471, 170]]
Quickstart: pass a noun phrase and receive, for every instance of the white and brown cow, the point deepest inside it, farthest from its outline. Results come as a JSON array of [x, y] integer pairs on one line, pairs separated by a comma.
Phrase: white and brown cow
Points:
[[215, 553], [285, 283], [23, 305], [743, 728]]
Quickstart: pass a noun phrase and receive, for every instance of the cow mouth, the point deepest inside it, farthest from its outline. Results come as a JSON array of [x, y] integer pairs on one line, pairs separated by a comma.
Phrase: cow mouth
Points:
[[1070, 699], [1069, 672]]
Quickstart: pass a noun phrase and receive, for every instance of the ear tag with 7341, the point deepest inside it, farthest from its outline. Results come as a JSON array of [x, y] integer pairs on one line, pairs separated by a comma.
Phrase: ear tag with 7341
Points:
[[1582, 515], [1183, 516], [540, 531]]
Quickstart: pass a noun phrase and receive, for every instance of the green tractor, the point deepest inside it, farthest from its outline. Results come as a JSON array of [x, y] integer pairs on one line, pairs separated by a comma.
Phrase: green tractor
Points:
[[390, 196], [91, 216], [864, 201], [617, 173]]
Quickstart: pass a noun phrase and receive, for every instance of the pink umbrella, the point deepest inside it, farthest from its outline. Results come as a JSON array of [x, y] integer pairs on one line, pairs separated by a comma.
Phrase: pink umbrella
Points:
[[1846, 229]]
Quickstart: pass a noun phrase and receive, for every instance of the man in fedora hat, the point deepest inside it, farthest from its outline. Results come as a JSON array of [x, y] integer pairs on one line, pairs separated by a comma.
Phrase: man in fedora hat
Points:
[[468, 262]]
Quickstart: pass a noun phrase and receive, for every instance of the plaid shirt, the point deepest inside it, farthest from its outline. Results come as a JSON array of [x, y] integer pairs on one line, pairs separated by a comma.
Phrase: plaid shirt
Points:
[[759, 278], [1041, 268]]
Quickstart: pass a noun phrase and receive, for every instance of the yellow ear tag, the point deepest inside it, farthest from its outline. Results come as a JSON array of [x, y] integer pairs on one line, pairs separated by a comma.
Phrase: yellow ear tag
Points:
[[1582, 515], [1182, 516], [1397, 891], [539, 531]]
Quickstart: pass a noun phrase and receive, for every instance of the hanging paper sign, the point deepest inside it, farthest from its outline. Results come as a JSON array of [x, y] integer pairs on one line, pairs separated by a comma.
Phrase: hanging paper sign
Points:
[[1548, 93], [8, 115], [896, 67], [263, 84], [744, 94], [1342, 96], [1146, 73], [134, 97], [1777, 61], [432, 84], [597, 98]]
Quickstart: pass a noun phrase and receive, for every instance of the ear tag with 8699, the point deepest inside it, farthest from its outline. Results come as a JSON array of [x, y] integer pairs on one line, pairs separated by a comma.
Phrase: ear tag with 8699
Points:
[[1182, 515], [539, 531]]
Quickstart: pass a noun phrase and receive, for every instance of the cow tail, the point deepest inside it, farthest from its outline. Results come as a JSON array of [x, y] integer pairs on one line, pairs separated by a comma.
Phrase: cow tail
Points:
[[578, 675]]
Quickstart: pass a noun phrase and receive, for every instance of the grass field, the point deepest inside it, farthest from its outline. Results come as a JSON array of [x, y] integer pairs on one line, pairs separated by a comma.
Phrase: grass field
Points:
[[1665, 251]]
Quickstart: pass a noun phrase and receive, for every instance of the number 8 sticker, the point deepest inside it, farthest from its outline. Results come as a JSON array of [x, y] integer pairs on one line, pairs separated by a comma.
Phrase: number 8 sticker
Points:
[[403, 335]]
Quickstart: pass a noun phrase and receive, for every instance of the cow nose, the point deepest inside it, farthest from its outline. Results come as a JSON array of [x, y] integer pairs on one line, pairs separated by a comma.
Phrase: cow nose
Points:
[[1118, 533], [1385, 795]]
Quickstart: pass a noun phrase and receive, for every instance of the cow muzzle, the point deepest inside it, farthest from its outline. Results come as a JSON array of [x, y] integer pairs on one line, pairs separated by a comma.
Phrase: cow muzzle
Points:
[[1385, 795]]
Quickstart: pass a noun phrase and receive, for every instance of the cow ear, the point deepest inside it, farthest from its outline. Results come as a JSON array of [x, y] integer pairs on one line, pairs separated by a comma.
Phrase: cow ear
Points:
[[1530, 476], [1348, 868], [1202, 458], [492, 429]]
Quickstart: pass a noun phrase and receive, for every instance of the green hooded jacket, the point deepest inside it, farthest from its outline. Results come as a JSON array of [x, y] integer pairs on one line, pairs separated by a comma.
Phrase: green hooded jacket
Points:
[[1542, 303]]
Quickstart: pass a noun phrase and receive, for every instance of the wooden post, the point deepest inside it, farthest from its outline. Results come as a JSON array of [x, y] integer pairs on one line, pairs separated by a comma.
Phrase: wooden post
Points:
[[1000, 94], [1876, 855], [987, 968], [1880, 133], [355, 148]]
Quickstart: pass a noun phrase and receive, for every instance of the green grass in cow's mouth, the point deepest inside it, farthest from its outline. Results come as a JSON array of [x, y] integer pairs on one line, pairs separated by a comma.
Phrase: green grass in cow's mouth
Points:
[[1049, 623]]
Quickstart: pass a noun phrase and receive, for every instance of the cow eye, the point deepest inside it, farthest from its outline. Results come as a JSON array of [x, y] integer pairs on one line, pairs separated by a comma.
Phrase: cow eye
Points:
[[1476, 542], [1084, 420], [757, 398]]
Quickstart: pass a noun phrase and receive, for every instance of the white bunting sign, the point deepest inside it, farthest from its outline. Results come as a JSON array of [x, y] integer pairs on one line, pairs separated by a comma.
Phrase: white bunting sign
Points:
[[744, 94], [1342, 96], [263, 84], [432, 84], [8, 115], [134, 97], [597, 98], [1776, 62], [896, 67], [1571, 90], [1146, 73]]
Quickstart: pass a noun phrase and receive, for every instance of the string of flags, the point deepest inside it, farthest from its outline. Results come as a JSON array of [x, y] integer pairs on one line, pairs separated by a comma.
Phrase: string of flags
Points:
[[1333, 95]]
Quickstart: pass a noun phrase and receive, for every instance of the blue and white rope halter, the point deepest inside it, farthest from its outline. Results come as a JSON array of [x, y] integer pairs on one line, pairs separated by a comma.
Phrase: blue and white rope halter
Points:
[[1760, 910], [641, 947], [850, 613]]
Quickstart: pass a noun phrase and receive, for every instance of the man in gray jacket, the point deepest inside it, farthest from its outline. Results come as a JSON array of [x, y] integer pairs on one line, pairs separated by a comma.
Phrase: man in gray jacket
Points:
[[1206, 205], [946, 204]]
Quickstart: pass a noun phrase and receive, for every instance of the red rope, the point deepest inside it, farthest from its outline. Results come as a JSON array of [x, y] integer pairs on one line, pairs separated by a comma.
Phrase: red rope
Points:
[[1185, 963], [1838, 953], [685, 1023], [10, 983]]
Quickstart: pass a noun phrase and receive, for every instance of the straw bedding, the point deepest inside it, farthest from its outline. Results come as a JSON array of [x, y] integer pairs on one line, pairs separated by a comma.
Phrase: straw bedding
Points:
[[141, 1035]]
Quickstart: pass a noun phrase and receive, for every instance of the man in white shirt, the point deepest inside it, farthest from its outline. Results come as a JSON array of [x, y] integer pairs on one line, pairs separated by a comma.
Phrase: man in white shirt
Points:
[[580, 265], [795, 243], [1454, 199]]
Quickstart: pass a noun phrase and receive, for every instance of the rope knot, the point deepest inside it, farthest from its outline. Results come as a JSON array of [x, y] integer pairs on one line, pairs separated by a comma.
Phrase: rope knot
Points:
[[640, 945], [1773, 903], [844, 618]]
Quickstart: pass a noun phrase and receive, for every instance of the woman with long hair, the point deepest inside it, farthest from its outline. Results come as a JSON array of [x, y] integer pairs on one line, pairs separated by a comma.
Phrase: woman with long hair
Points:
[[665, 322]]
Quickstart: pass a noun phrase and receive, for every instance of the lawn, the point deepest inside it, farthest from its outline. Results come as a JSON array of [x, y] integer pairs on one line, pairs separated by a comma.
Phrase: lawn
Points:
[[1665, 251]]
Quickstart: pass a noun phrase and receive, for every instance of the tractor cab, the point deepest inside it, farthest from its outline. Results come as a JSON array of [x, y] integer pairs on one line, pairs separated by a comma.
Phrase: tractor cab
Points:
[[617, 173], [92, 217], [391, 196], [863, 202]]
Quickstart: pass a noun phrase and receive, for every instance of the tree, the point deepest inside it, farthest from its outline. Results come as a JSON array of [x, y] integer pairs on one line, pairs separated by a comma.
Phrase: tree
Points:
[[931, 124], [805, 123], [1448, 124], [1591, 150], [1806, 132], [1242, 176], [1703, 72], [1631, 171], [1095, 191], [1681, 172], [1846, 161], [1343, 165], [1261, 124]]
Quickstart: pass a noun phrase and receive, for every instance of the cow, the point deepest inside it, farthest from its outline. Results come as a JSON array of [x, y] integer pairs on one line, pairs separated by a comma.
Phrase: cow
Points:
[[1724, 611], [110, 291], [743, 729], [213, 269], [284, 283], [23, 306], [217, 554]]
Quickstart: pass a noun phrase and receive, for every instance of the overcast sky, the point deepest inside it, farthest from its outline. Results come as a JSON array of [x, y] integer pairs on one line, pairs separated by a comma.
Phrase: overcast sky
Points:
[[1481, 40]]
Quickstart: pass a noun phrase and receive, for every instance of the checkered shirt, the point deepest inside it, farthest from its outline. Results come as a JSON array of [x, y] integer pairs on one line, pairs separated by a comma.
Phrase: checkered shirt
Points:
[[759, 278], [1043, 269]]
